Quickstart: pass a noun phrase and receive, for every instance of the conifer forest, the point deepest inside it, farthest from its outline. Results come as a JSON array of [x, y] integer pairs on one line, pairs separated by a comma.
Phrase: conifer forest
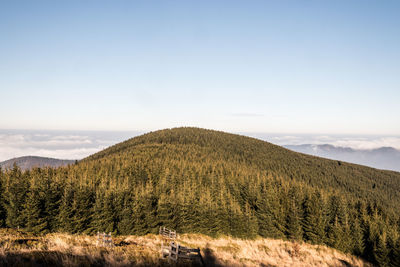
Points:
[[203, 181]]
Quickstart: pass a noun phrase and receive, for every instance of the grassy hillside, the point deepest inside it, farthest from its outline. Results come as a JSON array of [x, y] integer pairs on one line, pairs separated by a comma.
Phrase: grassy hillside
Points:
[[213, 183], [22, 249]]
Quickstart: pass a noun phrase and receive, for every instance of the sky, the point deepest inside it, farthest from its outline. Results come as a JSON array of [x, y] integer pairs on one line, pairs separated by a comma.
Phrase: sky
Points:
[[295, 67]]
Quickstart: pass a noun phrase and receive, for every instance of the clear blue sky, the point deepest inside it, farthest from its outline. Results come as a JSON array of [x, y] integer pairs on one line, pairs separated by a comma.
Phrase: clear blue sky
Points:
[[248, 66]]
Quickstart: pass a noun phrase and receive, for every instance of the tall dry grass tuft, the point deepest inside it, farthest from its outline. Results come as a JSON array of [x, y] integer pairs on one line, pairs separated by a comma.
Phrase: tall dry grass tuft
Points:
[[58, 249]]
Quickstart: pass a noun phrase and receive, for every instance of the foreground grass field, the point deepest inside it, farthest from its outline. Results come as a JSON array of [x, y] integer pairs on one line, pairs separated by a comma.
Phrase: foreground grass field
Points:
[[21, 249]]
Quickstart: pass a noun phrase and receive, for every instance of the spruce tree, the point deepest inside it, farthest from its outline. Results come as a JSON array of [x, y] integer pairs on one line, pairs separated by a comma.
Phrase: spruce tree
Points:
[[2, 200], [293, 223], [264, 212], [66, 214], [221, 223], [251, 224], [109, 214], [314, 221], [391, 241], [236, 220], [82, 208], [97, 222], [52, 198], [358, 238], [16, 191], [395, 260], [381, 252], [126, 216], [36, 221]]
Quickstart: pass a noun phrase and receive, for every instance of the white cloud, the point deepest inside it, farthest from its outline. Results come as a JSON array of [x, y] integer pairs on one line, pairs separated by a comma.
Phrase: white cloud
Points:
[[80, 145], [361, 142], [73, 153], [286, 138], [55, 144]]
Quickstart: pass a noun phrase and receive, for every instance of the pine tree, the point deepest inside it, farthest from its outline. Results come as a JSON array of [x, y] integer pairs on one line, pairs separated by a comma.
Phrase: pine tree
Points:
[[314, 218], [358, 238], [335, 235], [395, 260], [2, 200], [293, 221], [264, 212], [139, 216], [236, 220], [251, 224], [338, 227], [82, 208], [97, 223], [52, 198], [391, 242], [166, 212], [36, 221], [381, 252], [151, 210], [144, 207], [109, 214], [126, 221], [105, 213], [66, 214], [16, 191], [221, 226], [276, 210]]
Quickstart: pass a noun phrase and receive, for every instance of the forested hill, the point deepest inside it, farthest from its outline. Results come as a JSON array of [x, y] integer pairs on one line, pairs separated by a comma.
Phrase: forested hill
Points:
[[200, 145], [210, 182], [29, 162]]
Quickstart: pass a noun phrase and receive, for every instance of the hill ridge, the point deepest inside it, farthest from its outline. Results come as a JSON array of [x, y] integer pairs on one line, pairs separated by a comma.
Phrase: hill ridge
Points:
[[30, 161], [253, 151], [215, 183]]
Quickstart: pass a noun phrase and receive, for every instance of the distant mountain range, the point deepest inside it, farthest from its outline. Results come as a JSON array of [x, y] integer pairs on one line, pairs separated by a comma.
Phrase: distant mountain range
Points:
[[28, 162], [381, 158]]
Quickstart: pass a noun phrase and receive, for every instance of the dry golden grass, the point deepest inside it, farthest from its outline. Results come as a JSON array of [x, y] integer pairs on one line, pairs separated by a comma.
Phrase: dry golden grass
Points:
[[20, 249]]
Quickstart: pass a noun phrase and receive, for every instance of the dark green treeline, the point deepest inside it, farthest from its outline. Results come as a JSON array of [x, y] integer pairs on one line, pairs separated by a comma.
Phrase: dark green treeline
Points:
[[213, 183]]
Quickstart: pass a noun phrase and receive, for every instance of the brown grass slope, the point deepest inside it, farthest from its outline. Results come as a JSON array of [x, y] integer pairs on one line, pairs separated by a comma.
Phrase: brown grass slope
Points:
[[21, 249]]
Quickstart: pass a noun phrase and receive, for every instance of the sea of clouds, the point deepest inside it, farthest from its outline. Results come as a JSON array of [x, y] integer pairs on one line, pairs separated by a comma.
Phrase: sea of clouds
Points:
[[354, 142], [80, 144], [56, 144]]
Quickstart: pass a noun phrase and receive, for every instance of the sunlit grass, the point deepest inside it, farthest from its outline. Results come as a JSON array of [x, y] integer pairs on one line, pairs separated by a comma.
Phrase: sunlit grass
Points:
[[58, 249]]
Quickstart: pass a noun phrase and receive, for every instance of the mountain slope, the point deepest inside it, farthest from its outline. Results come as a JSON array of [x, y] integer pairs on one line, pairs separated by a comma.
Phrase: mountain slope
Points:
[[360, 181], [28, 162], [203, 181], [386, 158]]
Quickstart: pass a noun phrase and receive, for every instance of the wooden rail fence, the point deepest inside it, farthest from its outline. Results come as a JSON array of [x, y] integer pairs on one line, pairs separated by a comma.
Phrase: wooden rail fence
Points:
[[174, 251], [180, 252], [104, 240], [167, 233]]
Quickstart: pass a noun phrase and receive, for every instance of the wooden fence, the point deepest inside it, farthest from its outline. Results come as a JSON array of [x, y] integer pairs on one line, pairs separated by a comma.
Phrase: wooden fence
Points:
[[174, 251], [167, 233], [104, 240], [177, 252]]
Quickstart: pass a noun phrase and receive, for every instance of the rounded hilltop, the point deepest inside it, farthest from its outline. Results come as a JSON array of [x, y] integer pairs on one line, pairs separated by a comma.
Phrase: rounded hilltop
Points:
[[213, 183], [196, 145]]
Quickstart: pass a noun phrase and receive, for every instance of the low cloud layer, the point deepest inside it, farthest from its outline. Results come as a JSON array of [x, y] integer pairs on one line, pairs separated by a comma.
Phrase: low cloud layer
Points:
[[77, 145], [355, 142], [56, 144]]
